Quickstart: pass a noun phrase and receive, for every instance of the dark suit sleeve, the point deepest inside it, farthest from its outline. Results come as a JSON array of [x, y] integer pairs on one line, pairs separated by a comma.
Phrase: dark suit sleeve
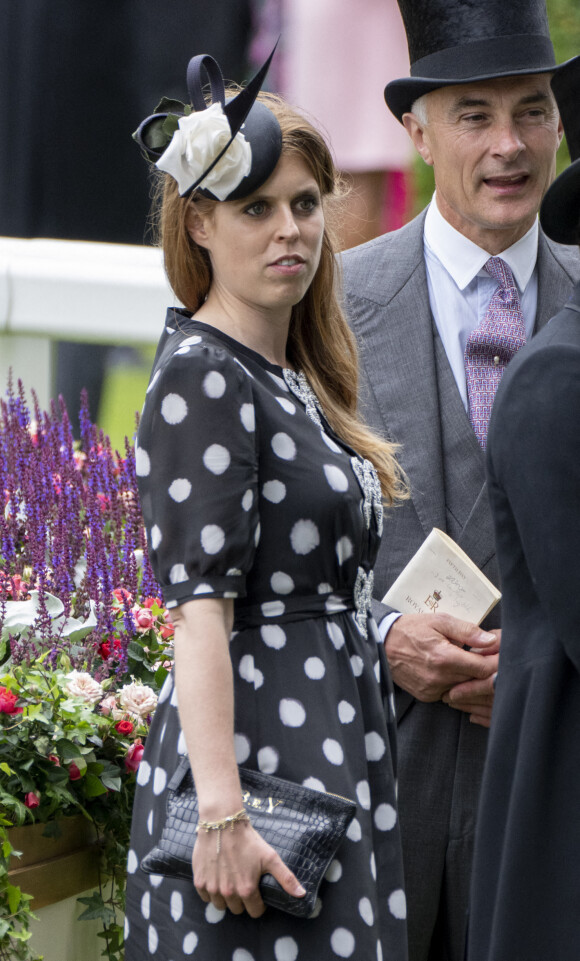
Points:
[[534, 448]]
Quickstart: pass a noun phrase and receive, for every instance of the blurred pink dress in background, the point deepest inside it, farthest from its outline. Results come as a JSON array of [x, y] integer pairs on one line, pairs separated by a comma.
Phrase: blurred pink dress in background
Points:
[[333, 61]]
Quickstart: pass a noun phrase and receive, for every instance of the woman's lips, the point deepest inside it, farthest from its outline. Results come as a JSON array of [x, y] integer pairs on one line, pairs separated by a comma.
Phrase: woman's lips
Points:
[[291, 264]]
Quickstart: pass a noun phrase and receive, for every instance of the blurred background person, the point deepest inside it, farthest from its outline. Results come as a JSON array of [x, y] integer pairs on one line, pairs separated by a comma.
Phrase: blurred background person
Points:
[[335, 60]]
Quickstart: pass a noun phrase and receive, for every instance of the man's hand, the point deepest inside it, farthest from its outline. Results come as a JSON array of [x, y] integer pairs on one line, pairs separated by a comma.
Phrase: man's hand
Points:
[[476, 697], [426, 656]]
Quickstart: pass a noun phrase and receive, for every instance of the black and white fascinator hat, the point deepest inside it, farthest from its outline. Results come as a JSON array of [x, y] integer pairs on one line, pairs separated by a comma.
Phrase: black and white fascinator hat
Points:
[[560, 210], [225, 149]]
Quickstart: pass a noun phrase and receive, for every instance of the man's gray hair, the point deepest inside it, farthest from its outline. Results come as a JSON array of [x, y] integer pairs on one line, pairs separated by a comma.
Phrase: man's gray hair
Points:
[[420, 110]]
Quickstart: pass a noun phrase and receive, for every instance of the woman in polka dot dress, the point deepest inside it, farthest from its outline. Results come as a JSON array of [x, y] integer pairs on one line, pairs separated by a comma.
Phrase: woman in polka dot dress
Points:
[[262, 497]]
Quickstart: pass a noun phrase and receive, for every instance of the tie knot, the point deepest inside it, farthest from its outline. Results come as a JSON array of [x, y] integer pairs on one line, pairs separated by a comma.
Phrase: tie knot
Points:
[[500, 271]]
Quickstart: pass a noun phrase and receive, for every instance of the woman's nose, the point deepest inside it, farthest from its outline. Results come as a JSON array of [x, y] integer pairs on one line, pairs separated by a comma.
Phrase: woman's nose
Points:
[[286, 225]]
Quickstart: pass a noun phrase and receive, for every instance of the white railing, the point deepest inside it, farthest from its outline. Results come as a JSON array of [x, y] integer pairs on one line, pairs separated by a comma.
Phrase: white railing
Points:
[[70, 290]]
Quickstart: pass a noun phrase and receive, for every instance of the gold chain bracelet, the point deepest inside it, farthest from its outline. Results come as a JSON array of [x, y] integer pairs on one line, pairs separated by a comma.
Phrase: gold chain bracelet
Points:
[[219, 826]]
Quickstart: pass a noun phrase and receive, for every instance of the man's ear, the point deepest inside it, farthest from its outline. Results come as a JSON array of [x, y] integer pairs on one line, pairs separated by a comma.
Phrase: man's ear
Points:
[[560, 130], [196, 226], [418, 134]]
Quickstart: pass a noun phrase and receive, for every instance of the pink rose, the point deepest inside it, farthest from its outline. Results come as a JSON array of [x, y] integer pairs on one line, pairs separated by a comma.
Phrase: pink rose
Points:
[[31, 800], [74, 772], [81, 684], [108, 705], [55, 759], [121, 595], [134, 755], [137, 699], [144, 619]]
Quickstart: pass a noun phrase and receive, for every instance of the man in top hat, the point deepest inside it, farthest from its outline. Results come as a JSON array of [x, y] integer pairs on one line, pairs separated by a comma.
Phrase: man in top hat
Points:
[[526, 877], [439, 307]]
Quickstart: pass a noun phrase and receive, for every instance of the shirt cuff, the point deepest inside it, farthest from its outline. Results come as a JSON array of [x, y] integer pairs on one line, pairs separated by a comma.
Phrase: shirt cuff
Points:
[[386, 623]]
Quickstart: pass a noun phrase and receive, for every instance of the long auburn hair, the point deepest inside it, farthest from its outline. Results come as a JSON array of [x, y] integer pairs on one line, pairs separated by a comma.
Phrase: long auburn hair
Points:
[[320, 342]]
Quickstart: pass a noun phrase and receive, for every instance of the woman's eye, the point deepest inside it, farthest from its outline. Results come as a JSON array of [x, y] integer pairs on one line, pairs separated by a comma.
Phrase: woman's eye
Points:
[[307, 204], [256, 209]]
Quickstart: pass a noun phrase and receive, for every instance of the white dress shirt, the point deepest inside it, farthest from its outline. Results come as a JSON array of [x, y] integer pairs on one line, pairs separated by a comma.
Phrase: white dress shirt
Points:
[[460, 291]]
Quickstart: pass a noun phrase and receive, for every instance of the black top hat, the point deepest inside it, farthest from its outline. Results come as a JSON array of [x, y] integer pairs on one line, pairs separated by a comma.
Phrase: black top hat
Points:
[[245, 116], [462, 41], [560, 210]]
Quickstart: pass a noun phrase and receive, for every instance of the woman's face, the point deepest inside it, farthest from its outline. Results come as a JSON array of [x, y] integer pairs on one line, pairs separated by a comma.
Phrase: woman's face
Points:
[[265, 249]]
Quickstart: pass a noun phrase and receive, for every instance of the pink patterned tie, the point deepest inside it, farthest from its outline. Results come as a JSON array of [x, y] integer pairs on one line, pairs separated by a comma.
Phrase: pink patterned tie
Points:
[[492, 345]]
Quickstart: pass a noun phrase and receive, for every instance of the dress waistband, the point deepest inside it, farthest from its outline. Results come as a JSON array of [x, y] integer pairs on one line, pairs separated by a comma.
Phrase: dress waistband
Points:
[[299, 608]]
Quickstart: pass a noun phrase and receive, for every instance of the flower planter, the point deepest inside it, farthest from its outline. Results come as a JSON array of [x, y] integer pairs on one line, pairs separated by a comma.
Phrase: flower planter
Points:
[[52, 869], [55, 872]]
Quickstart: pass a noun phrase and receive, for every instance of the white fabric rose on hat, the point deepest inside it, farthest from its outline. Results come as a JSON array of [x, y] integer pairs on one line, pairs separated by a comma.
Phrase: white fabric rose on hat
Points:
[[196, 143], [137, 699], [80, 684]]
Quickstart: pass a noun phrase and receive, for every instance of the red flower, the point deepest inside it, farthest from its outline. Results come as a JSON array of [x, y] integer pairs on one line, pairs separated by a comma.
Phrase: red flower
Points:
[[166, 630], [8, 702], [55, 759], [150, 601], [74, 772], [31, 800], [105, 648], [124, 727], [134, 755]]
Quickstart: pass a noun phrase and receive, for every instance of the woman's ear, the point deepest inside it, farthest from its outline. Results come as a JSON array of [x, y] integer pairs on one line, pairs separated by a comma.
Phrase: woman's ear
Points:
[[196, 226]]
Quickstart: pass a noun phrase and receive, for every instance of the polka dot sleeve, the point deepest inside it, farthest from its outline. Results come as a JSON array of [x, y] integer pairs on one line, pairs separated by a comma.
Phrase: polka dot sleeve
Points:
[[197, 467]]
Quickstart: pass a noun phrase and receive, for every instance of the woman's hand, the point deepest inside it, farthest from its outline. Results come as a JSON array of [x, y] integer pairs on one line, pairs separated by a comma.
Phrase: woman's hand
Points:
[[230, 879]]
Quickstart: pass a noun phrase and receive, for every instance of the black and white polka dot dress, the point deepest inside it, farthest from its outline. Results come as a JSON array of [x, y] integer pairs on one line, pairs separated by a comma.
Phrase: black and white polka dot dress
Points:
[[247, 493]]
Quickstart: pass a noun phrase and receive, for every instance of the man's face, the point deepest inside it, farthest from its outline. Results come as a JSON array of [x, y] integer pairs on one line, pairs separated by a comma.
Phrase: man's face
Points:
[[492, 146]]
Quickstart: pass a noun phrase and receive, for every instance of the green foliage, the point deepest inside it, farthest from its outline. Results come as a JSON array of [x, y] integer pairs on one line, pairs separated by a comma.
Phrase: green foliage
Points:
[[15, 912], [70, 744]]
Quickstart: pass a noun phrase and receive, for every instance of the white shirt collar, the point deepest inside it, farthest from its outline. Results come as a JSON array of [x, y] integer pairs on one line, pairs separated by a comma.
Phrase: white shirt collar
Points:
[[463, 259]]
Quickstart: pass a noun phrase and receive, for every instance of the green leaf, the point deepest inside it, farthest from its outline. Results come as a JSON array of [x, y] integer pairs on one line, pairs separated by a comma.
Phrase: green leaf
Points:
[[153, 135], [168, 105], [113, 783], [93, 787], [95, 767], [160, 675], [136, 652], [67, 750], [14, 895], [96, 909], [6, 769], [170, 125], [52, 829]]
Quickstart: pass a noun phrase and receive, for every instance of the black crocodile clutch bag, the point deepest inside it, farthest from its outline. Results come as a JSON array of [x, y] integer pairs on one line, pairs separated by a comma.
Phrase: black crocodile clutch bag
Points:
[[304, 826]]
